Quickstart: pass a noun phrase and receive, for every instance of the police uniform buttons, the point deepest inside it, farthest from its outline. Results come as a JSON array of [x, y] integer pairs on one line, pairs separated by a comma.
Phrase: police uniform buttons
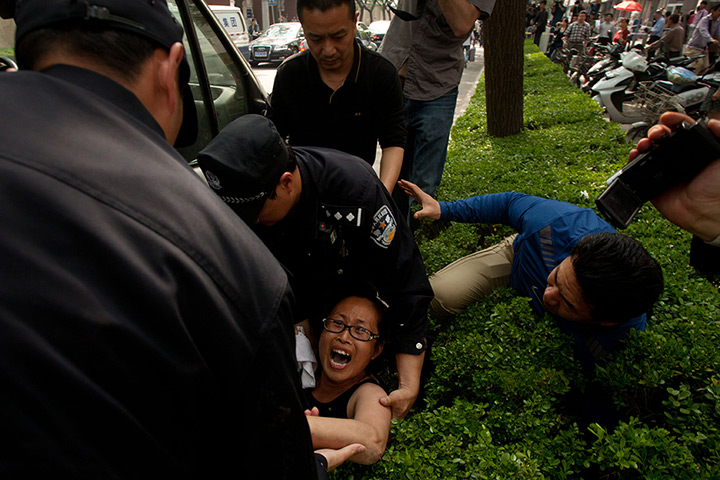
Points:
[[418, 345]]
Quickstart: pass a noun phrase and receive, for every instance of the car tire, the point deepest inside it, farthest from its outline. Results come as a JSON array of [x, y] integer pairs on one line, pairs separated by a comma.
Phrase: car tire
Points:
[[254, 63]]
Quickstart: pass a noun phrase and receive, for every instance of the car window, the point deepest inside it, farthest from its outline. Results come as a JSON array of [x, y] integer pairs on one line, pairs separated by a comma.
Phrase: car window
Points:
[[227, 99], [281, 30]]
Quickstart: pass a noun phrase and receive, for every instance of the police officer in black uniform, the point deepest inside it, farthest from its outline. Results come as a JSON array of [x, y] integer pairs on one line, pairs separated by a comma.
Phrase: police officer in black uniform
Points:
[[332, 224]]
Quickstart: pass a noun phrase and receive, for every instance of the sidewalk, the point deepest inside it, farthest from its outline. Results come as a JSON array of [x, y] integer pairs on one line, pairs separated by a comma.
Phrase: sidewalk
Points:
[[469, 82]]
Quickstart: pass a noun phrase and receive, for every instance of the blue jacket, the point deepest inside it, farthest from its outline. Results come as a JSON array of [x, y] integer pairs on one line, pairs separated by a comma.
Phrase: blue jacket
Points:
[[547, 232]]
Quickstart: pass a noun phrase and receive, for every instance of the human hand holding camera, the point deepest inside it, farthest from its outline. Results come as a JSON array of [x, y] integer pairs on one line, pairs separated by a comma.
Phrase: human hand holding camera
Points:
[[693, 205]]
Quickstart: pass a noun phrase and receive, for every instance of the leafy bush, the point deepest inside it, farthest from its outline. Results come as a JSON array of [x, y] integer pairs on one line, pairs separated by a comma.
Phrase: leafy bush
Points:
[[501, 400]]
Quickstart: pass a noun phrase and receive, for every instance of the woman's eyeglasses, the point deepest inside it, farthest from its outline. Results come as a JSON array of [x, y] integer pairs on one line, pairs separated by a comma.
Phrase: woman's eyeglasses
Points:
[[358, 333]]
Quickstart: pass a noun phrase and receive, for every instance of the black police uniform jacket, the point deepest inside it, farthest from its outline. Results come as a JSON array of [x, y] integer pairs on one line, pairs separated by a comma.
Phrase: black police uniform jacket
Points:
[[146, 332], [344, 234]]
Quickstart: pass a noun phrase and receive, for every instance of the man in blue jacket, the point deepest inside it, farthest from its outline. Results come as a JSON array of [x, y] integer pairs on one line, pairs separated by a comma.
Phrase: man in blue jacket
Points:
[[596, 283]]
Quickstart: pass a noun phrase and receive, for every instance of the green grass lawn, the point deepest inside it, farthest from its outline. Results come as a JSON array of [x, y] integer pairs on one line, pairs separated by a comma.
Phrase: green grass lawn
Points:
[[501, 399]]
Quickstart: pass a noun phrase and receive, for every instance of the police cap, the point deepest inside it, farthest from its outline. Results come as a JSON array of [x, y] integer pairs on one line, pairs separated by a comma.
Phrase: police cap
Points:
[[244, 163]]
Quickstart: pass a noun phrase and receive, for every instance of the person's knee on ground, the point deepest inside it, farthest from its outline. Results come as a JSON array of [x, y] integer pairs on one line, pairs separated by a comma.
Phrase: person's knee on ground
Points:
[[470, 279]]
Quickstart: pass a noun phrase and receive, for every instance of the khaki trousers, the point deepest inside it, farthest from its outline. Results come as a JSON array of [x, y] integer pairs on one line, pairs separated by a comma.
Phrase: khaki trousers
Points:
[[470, 278]]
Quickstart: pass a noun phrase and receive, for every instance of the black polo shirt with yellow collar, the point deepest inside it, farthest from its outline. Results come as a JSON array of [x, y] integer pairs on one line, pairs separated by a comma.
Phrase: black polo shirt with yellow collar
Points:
[[367, 108]]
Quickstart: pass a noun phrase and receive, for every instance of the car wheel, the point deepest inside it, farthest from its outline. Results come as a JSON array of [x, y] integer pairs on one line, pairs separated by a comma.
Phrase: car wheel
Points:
[[254, 63]]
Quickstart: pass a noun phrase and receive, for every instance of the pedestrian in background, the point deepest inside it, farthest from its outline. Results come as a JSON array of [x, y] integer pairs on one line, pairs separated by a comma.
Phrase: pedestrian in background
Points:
[[606, 30], [622, 33], [540, 22], [558, 11], [658, 27], [424, 42], [254, 28], [577, 34], [705, 36], [672, 40]]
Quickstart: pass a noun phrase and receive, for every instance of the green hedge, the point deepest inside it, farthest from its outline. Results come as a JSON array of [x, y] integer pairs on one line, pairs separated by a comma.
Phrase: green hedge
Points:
[[499, 401]]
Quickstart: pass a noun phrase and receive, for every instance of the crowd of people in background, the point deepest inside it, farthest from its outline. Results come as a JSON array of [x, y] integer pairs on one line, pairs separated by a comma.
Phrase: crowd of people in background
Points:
[[668, 31]]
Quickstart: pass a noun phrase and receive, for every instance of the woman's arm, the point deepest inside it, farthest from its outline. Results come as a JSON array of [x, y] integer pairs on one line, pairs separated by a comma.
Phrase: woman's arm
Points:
[[368, 423]]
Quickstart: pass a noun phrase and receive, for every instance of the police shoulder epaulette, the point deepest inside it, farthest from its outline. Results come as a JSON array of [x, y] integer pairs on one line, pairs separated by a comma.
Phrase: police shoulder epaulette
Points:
[[345, 215]]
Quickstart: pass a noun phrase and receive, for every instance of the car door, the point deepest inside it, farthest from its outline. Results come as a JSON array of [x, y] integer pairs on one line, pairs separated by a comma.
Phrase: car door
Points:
[[222, 82]]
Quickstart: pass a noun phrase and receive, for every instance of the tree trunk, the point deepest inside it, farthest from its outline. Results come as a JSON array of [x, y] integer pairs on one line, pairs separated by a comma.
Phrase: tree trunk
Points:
[[361, 7], [503, 37]]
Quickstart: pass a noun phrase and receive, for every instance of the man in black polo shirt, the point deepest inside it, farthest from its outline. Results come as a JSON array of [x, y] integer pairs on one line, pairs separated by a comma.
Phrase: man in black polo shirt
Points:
[[339, 94]]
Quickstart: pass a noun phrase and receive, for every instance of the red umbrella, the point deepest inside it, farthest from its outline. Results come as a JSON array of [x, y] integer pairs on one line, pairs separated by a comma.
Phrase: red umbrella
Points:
[[629, 6]]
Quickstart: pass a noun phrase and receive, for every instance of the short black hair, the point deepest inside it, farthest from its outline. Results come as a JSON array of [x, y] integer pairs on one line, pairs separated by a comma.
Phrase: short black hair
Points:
[[123, 53], [324, 5], [381, 310], [617, 276], [714, 6], [675, 18], [379, 307]]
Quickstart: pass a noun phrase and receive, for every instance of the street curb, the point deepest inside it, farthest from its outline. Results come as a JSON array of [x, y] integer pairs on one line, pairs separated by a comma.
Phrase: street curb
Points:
[[468, 83]]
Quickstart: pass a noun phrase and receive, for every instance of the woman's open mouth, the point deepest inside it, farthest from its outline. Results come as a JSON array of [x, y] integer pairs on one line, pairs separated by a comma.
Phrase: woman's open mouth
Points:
[[339, 359]]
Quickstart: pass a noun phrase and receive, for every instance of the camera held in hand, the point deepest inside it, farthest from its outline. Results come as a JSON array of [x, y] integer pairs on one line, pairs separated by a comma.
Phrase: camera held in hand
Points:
[[674, 159]]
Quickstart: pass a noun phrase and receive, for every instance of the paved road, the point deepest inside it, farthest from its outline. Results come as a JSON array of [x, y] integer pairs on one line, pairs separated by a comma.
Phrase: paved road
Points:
[[265, 74]]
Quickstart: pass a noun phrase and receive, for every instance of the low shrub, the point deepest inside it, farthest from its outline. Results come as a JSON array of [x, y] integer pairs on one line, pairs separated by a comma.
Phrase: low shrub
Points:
[[503, 398]]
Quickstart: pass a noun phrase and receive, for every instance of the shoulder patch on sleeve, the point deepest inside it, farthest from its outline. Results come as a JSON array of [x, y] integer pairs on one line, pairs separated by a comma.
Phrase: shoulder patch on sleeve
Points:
[[383, 227]]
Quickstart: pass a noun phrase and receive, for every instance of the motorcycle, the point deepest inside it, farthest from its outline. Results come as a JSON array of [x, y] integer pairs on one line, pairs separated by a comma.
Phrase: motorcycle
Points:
[[595, 73], [616, 91], [689, 97]]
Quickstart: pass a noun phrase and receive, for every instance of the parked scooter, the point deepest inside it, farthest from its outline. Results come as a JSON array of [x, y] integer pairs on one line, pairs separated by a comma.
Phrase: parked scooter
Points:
[[689, 97], [583, 62], [616, 91], [610, 61], [617, 87]]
